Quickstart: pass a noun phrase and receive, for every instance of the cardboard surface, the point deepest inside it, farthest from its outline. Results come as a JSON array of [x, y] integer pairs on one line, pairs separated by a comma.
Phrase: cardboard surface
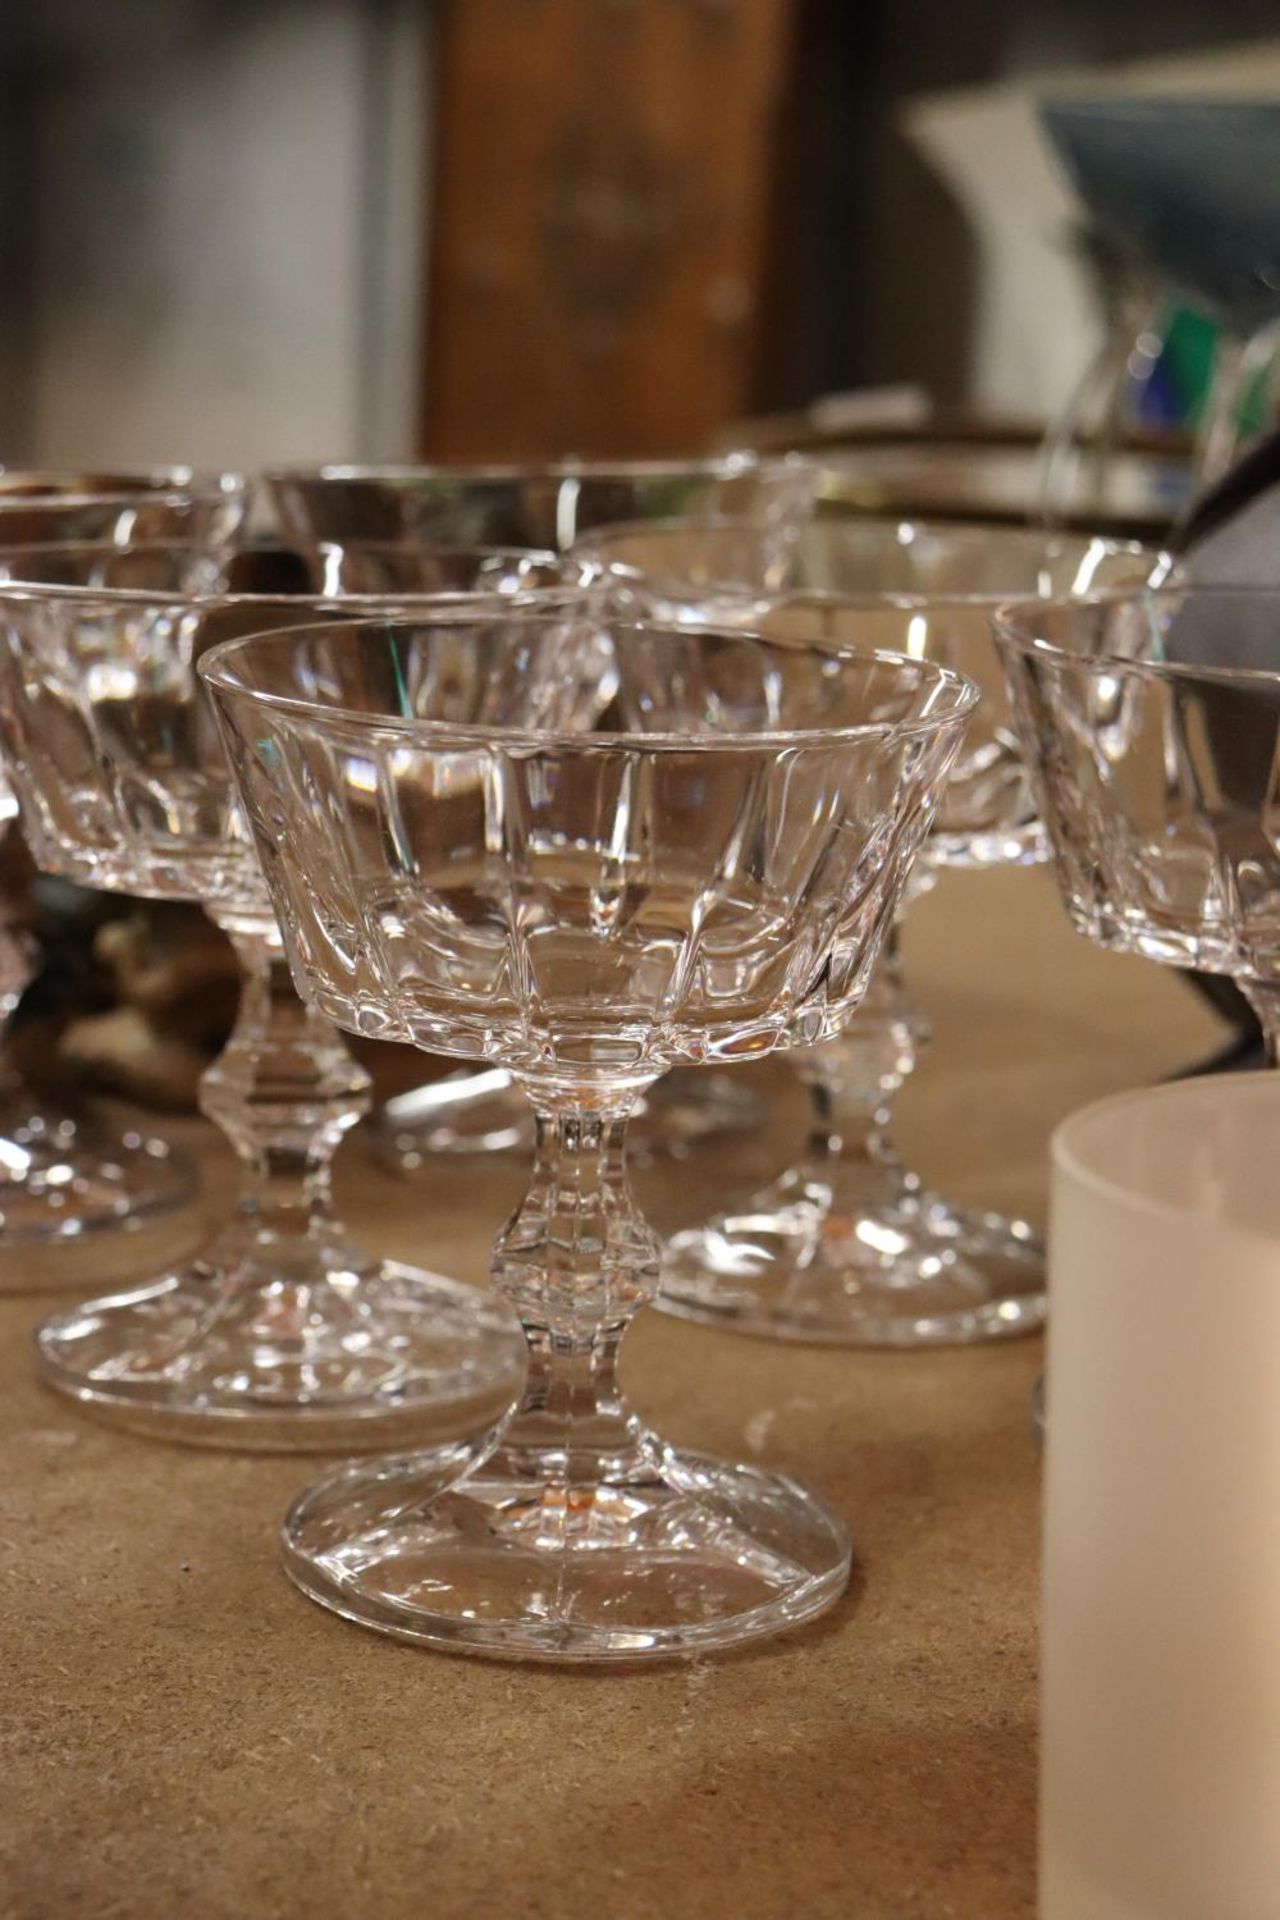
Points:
[[183, 1734]]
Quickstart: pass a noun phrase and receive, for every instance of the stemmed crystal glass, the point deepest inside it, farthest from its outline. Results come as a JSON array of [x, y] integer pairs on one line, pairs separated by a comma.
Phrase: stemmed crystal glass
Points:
[[544, 505], [848, 1244], [701, 869], [1151, 723], [283, 1333], [77, 1199]]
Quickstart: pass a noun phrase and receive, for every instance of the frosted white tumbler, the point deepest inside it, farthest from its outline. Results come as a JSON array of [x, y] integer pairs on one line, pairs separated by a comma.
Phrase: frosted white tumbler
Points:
[[1160, 1783]]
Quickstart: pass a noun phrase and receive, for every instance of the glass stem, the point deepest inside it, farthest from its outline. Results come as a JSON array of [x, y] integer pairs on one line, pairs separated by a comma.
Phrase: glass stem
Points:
[[1264, 997], [284, 1090], [576, 1260], [851, 1082]]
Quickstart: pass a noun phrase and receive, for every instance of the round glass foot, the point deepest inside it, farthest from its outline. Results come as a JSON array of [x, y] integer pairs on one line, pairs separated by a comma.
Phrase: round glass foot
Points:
[[299, 1347], [791, 1265], [68, 1184], [676, 1554], [485, 1112]]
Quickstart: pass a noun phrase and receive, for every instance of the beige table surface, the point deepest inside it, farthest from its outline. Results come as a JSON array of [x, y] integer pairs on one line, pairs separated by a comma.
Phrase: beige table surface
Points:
[[184, 1735]]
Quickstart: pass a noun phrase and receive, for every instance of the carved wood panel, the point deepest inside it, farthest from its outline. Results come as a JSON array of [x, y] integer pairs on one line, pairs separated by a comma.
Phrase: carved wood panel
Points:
[[603, 206]]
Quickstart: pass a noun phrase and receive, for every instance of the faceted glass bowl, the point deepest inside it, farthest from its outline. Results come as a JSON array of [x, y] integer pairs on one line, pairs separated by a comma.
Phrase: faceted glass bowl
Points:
[[48, 508], [674, 976], [924, 588], [546, 505], [1151, 723], [541, 505]]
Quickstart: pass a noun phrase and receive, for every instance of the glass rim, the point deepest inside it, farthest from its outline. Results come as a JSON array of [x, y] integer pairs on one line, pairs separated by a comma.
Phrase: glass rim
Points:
[[216, 670], [455, 550], [204, 549], [177, 496], [909, 599], [51, 485], [441, 600], [1066, 1156], [1010, 638], [720, 466]]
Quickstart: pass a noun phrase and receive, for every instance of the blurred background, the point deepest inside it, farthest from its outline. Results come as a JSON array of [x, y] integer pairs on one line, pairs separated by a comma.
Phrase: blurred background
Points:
[[241, 231]]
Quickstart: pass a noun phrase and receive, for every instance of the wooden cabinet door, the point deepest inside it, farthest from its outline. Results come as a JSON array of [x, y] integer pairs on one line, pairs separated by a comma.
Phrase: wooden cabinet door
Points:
[[602, 210]]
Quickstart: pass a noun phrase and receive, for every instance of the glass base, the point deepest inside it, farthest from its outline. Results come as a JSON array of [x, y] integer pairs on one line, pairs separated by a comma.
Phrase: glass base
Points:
[[69, 1184], [791, 1265], [290, 1347], [678, 1555], [485, 1112]]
